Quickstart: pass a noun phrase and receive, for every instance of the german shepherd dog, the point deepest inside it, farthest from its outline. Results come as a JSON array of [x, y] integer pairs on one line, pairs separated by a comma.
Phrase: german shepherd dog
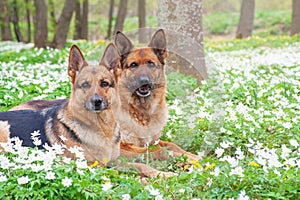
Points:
[[141, 85], [86, 120], [142, 91]]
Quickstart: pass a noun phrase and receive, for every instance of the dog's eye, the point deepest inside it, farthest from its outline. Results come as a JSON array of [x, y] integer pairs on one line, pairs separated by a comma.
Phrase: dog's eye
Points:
[[151, 64], [133, 65], [85, 85], [104, 84]]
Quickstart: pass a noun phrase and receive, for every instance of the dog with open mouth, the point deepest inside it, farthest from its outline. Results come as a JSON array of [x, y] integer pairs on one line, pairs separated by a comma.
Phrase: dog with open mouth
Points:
[[142, 91]]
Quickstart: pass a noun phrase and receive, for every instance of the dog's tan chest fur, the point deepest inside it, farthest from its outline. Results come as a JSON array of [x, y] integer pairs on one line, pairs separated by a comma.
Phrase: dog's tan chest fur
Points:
[[97, 143], [139, 111], [141, 127]]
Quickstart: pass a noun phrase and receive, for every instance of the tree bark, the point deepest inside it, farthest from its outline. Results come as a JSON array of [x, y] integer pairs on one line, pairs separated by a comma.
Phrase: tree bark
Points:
[[142, 21], [81, 20], [5, 25], [245, 26], [121, 16], [28, 21], [84, 17], [182, 21], [40, 29], [15, 20], [77, 32], [63, 24], [295, 29], [110, 17]]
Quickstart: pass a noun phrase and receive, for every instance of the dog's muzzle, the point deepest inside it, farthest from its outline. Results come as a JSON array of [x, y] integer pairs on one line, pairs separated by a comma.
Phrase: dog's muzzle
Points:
[[144, 90], [97, 104], [145, 86]]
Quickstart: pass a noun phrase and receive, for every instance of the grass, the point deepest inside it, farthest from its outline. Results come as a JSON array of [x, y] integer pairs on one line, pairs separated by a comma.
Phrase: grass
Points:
[[243, 121]]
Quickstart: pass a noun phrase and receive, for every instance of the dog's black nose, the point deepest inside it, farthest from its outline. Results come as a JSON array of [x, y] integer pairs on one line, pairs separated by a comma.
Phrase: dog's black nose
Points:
[[97, 102], [144, 80]]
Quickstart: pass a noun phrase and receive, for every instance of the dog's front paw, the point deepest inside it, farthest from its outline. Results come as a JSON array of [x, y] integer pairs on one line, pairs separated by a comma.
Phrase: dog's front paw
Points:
[[192, 157], [147, 171]]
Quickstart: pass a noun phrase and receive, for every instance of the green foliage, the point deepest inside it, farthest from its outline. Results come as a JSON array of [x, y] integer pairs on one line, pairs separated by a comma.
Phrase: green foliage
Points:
[[179, 86], [271, 23], [220, 23]]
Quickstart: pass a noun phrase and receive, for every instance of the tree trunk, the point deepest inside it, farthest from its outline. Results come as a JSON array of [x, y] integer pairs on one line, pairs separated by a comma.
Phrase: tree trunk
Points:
[[40, 29], [295, 17], [28, 21], [121, 16], [84, 19], [110, 17], [81, 20], [63, 24], [5, 25], [142, 21], [245, 26], [15, 20], [77, 32], [182, 21]]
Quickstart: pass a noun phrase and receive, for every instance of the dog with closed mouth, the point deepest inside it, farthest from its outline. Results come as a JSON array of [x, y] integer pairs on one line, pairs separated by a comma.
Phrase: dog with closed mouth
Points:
[[141, 85], [86, 120]]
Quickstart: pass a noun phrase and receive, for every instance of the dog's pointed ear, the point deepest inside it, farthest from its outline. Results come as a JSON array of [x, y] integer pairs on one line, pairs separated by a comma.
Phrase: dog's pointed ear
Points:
[[76, 62], [123, 44], [159, 44], [110, 58]]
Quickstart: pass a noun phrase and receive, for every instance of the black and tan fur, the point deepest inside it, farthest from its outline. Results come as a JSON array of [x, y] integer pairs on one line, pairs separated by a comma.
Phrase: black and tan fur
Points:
[[86, 120], [142, 92], [141, 85]]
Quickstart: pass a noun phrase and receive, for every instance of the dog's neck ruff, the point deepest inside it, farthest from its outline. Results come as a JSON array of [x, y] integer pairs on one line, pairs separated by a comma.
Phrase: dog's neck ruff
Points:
[[142, 119]]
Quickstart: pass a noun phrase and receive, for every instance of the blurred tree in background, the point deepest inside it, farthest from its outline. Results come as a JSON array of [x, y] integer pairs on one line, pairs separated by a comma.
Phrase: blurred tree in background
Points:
[[246, 21], [28, 19], [110, 18], [81, 20], [295, 17], [15, 21], [41, 28], [182, 20], [121, 16], [4, 17], [142, 21], [63, 24]]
